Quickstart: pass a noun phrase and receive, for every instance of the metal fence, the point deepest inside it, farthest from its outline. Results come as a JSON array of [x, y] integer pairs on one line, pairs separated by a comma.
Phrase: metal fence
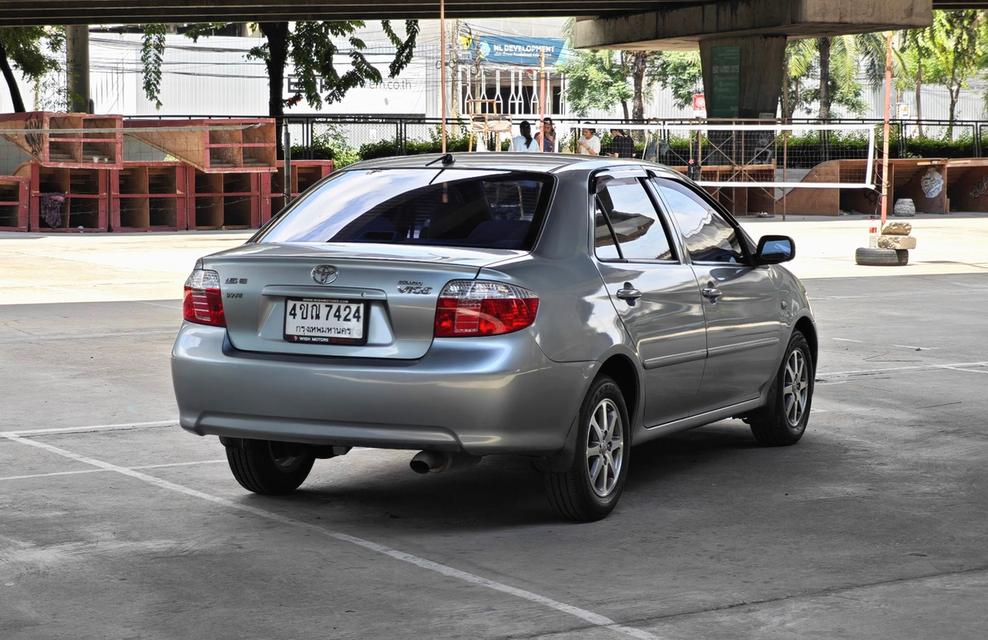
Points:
[[359, 136]]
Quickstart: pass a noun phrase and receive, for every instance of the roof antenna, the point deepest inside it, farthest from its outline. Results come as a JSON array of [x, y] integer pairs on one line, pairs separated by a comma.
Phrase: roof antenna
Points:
[[447, 159]]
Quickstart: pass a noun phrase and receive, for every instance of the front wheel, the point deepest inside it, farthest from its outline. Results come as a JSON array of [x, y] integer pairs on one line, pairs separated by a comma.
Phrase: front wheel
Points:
[[267, 467], [783, 419], [591, 487]]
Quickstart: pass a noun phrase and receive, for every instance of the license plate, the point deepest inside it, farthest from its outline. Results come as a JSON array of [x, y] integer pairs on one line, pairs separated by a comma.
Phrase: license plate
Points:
[[325, 321]]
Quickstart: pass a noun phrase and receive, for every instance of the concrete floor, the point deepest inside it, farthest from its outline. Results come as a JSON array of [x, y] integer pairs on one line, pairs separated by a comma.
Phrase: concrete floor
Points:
[[114, 523]]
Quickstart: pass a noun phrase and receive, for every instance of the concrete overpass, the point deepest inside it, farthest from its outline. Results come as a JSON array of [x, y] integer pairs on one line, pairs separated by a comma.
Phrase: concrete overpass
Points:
[[14, 12], [741, 42]]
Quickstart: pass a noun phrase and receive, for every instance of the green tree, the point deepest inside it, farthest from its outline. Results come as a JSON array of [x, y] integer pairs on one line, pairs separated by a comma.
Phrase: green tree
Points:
[[596, 80], [951, 51], [29, 50], [680, 72], [152, 56], [833, 65], [312, 47]]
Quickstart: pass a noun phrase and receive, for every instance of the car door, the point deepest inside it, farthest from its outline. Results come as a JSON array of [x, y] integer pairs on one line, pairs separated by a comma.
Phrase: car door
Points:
[[741, 302], [654, 291]]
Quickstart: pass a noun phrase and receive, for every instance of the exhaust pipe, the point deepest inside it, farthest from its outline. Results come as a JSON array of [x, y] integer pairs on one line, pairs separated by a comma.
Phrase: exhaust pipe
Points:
[[438, 461]]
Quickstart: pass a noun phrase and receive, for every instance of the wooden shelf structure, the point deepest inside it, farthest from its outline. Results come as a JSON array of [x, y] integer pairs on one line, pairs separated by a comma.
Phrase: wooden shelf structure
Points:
[[66, 140], [234, 145], [83, 193], [224, 200], [149, 196], [15, 203]]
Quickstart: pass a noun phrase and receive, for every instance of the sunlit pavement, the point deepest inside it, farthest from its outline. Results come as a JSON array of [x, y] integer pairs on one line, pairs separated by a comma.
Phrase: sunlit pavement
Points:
[[873, 526]]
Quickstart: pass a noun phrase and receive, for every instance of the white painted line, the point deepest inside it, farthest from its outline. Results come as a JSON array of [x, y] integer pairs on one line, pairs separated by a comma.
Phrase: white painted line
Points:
[[585, 615], [175, 306], [915, 348], [847, 340], [984, 371], [126, 426], [50, 475], [921, 367], [89, 336], [168, 465], [81, 471]]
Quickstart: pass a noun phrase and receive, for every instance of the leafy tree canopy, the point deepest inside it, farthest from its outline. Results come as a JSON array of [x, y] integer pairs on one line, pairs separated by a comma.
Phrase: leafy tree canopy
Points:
[[595, 80]]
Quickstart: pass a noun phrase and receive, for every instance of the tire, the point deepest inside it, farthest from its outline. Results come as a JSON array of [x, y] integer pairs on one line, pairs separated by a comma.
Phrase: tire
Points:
[[266, 467], [579, 493], [781, 423], [881, 257]]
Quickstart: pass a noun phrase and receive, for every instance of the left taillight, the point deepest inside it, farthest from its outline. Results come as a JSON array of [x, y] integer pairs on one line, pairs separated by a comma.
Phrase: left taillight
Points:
[[203, 302]]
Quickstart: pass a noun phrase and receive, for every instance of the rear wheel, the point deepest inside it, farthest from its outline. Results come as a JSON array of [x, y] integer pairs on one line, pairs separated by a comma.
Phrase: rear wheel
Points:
[[267, 467], [591, 487], [783, 420]]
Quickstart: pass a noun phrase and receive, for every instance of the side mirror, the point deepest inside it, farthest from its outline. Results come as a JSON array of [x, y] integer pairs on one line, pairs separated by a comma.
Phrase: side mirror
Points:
[[775, 250]]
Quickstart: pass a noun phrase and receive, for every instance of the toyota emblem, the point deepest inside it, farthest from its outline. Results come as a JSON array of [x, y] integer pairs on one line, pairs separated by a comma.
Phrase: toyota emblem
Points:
[[324, 274]]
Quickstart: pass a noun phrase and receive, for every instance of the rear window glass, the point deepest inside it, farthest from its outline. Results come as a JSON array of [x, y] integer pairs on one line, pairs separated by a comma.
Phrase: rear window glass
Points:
[[444, 207]]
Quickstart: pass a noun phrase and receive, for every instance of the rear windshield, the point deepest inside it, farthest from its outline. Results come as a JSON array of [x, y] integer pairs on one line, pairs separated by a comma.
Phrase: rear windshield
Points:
[[445, 207]]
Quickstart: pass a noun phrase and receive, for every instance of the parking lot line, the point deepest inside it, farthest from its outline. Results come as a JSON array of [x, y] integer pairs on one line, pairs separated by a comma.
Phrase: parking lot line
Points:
[[124, 426], [79, 471], [985, 371], [920, 367], [589, 617]]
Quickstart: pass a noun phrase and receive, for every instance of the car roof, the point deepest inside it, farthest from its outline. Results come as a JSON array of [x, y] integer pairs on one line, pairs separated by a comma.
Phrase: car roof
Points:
[[534, 162]]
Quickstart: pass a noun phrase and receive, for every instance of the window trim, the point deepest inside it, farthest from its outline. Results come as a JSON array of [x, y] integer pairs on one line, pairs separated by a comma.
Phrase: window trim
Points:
[[641, 177], [716, 208], [545, 204]]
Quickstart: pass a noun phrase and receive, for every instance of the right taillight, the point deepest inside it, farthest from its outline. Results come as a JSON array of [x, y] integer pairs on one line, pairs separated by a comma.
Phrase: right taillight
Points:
[[203, 302], [483, 308]]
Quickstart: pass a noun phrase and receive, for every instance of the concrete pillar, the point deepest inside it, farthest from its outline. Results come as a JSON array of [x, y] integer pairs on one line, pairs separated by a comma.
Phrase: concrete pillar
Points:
[[742, 76], [77, 67]]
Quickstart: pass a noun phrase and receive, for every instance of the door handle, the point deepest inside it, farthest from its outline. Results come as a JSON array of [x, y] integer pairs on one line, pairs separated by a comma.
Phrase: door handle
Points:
[[712, 293], [629, 294]]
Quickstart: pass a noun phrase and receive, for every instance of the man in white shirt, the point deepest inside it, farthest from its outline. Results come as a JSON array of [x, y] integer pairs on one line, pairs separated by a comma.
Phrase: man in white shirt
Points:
[[588, 144]]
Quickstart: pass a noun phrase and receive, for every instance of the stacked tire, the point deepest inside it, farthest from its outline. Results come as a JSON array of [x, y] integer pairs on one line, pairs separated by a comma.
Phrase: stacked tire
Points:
[[893, 247]]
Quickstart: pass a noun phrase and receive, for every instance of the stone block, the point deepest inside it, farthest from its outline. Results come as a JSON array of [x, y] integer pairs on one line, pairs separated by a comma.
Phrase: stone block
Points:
[[896, 242], [897, 229]]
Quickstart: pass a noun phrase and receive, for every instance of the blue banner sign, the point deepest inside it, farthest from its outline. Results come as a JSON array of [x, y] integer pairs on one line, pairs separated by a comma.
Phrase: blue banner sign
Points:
[[519, 51]]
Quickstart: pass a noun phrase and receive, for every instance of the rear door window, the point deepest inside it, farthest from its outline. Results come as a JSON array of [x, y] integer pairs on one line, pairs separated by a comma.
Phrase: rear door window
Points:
[[627, 225], [442, 207]]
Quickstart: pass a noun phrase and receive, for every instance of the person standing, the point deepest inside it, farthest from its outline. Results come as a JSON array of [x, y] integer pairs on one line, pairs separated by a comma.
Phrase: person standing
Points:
[[524, 143], [588, 144], [621, 146], [547, 137]]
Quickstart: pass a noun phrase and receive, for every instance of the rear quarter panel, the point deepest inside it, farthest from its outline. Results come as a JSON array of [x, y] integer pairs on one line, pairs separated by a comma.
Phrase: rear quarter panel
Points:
[[576, 320]]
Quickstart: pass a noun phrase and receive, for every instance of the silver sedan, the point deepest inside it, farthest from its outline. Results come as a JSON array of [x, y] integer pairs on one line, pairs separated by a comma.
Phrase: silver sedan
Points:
[[558, 307]]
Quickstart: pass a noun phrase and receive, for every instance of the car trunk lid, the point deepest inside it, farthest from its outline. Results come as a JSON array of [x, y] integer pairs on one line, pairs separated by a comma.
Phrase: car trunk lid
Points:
[[391, 289]]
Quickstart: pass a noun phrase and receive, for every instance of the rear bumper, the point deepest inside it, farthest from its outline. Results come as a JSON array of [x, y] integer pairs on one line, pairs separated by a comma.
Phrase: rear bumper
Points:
[[480, 396]]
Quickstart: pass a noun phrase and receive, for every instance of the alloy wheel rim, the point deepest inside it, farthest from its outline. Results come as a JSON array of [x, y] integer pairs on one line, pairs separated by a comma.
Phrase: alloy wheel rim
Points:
[[795, 388], [605, 447]]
